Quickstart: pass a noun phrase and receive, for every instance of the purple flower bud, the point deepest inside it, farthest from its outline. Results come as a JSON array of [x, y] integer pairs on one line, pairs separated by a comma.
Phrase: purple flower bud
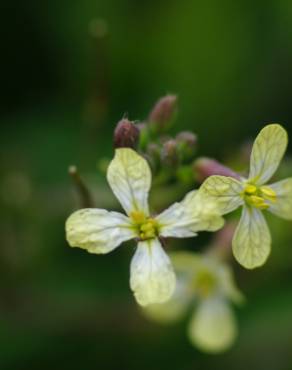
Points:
[[163, 113], [169, 154], [126, 134], [186, 143], [205, 167], [187, 137]]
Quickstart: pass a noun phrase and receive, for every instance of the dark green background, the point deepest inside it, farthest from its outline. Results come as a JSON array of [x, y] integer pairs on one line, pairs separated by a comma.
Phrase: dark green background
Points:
[[62, 92]]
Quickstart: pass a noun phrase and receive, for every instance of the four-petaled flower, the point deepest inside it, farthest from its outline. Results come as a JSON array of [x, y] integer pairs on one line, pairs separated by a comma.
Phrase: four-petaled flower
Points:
[[205, 283], [99, 231], [252, 239]]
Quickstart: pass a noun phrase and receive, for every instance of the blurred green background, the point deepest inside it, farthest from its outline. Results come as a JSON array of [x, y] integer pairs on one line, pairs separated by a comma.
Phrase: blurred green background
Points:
[[69, 71]]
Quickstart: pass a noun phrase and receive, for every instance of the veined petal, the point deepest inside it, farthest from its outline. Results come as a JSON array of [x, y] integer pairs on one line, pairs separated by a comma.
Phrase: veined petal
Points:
[[252, 240], [213, 326], [194, 213], [129, 177], [267, 153], [282, 207], [175, 221], [97, 230], [225, 191], [152, 276]]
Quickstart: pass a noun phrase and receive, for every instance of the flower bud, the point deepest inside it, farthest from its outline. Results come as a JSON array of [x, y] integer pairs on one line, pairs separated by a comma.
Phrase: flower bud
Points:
[[169, 154], [205, 167], [153, 151], [126, 134], [163, 113], [186, 143]]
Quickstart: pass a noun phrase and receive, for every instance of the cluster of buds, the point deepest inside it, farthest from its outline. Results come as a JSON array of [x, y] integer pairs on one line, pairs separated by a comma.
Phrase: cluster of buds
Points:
[[165, 153], [151, 138]]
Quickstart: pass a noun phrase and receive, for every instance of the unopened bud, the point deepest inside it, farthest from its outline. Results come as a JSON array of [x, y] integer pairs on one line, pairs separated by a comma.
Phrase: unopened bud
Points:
[[153, 151], [126, 134], [162, 115], [205, 167], [186, 143], [169, 154]]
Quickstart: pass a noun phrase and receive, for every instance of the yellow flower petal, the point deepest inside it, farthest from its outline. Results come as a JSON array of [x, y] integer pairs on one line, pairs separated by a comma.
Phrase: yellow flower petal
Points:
[[282, 206], [252, 240], [213, 327], [194, 213], [152, 277], [225, 191], [129, 177], [267, 153], [97, 230]]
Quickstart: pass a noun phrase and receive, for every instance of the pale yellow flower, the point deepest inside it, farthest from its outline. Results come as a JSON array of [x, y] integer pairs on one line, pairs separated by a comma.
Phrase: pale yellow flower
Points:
[[252, 239], [152, 278], [205, 284]]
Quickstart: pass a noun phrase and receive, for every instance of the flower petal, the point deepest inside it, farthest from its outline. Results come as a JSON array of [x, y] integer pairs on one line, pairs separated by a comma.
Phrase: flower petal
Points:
[[129, 177], [213, 326], [152, 276], [190, 266], [252, 240], [194, 213], [282, 207], [267, 153], [172, 310], [228, 285], [225, 191], [186, 263], [97, 230]]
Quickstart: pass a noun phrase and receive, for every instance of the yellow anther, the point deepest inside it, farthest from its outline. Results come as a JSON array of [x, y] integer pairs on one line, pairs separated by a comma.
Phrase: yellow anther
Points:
[[258, 202], [268, 193], [146, 228], [257, 197], [250, 189]]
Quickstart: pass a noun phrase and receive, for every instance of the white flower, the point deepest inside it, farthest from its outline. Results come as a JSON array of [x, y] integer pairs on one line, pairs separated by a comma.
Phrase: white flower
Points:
[[99, 231], [252, 239], [206, 283]]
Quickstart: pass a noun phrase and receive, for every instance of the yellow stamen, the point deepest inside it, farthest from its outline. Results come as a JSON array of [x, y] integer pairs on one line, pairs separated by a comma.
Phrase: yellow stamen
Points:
[[268, 193], [250, 189], [146, 227], [258, 197], [258, 202]]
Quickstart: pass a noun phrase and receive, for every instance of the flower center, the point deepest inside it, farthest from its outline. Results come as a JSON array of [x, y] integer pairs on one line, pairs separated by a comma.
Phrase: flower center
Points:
[[204, 283], [146, 227], [259, 197]]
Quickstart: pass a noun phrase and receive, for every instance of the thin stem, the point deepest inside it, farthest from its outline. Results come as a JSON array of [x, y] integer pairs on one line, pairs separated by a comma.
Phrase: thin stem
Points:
[[85, 197]]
